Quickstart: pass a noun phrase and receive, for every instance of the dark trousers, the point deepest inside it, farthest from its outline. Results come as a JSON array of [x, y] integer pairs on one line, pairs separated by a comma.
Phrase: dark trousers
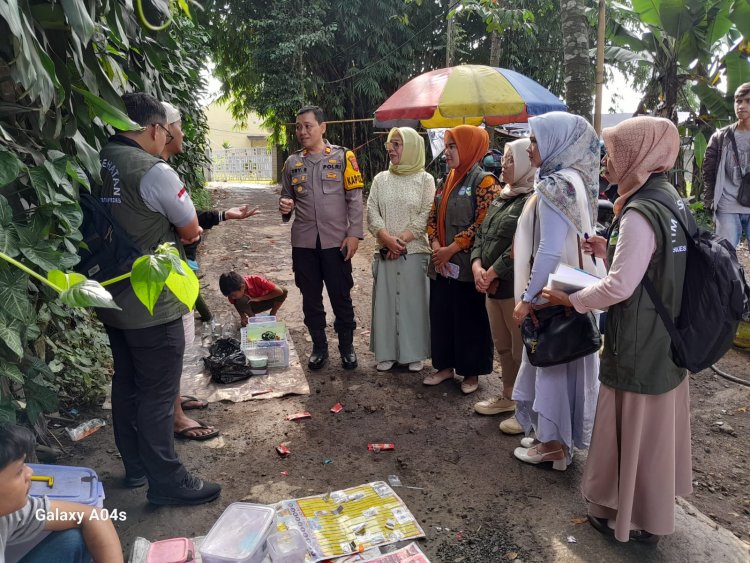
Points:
[[313, 267], [459, 328], [148, 365]]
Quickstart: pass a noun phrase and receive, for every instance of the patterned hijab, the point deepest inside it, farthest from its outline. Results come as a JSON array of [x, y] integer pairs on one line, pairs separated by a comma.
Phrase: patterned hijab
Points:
[[637, 148], [567, 141], [472, 143], [412, 157]]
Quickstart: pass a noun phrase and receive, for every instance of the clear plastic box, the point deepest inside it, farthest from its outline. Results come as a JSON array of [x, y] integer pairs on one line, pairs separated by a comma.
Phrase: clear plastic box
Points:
[[287, 546], [239, 535], [277, 351]]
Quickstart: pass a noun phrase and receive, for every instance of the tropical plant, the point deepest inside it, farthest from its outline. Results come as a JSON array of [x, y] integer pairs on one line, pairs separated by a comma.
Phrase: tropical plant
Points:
[[63, 69]]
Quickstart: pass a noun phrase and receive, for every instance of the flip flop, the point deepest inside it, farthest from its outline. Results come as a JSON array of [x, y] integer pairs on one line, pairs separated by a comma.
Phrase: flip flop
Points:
[[186, 399], [183, 434]]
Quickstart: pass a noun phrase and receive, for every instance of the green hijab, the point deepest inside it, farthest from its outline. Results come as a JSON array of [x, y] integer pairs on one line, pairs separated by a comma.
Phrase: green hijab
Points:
[[412, 157]]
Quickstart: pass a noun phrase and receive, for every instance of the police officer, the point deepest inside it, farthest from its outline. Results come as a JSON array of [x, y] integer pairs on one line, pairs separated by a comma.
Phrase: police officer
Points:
[[322, 185]]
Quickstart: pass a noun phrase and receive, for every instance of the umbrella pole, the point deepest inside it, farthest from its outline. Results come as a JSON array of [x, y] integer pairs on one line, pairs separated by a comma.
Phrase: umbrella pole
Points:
[[599, 69]]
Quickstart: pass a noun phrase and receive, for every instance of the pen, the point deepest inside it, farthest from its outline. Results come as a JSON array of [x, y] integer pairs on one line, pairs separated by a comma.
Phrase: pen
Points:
[[593, 258]]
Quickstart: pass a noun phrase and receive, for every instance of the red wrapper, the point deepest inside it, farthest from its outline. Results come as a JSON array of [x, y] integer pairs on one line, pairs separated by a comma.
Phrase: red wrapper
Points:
[[261, 392], [299, 415], [283, 450], [381, 447], [285, 473], [337, 408]]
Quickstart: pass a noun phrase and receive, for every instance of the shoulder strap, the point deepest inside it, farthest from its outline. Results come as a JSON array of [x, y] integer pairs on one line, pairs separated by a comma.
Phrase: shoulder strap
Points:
[[736, 152]]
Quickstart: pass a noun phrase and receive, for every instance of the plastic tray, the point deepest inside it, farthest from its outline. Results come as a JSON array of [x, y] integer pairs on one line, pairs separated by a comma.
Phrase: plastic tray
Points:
[[239, 535]]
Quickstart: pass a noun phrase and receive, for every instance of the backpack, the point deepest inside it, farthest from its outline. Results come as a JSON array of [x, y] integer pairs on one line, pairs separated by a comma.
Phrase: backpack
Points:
[[108, 251], [715, 295]]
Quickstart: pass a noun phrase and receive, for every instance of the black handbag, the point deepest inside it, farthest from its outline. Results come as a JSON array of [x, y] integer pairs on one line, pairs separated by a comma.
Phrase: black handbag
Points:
[[743, 194], [555, 334]]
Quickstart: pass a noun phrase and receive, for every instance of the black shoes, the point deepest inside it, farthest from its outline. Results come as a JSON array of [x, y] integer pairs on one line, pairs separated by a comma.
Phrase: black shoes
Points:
[[601, 526], [317, 359], [349, 359], [191, 490]]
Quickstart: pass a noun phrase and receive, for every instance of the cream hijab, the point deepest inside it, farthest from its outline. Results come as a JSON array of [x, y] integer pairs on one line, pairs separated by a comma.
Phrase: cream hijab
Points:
[[412, 157], [523, 172]]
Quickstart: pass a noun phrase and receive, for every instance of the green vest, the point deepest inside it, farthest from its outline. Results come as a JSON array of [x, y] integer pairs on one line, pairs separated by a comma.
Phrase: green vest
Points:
[[637, 355], [123, 167], [459, 215]]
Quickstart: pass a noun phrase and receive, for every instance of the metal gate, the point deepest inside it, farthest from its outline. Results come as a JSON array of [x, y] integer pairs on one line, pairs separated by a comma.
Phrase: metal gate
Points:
[[236, 165]]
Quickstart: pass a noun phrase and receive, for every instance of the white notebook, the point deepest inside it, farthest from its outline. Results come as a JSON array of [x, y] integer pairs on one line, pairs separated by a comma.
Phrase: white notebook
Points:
[[570, 279]]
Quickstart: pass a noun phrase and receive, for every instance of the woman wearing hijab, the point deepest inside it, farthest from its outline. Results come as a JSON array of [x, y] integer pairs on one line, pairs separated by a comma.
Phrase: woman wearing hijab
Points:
[[640, 457], [397, 209], [557, 403], [460, 336], [492, 265]]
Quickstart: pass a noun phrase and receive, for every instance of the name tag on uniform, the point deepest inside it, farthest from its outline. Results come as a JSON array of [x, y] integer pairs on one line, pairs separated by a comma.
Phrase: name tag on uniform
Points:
[[331, 176]]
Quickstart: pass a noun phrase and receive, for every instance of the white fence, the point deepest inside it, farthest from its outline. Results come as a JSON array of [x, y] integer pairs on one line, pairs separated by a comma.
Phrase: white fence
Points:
[[233, 165]]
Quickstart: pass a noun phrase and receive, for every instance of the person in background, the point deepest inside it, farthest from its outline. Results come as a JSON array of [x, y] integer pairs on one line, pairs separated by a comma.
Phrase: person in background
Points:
[[184, 426], [461, 342], [492, 265], [251, 295], [640, 457], [148, 199], [557, 403], [322, 186], [727, 160], [74, 535], [397, 209]]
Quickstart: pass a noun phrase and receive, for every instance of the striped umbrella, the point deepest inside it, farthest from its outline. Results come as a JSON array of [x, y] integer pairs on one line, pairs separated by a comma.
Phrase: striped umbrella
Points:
[[469, 94]]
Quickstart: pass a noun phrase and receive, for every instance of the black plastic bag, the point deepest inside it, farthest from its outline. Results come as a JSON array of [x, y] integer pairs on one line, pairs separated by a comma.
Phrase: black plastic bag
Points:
[[226, 364]]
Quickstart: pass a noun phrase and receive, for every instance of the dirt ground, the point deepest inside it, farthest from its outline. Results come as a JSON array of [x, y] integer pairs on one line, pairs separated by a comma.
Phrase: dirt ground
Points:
[[476, 503]]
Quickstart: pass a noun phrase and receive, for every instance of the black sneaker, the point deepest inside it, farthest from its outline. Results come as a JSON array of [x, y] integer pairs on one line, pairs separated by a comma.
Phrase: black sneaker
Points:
[[134, 481], [191, 490]]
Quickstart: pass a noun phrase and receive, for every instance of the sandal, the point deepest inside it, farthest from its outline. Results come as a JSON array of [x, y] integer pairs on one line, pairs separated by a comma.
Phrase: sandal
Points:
[[183, 434], [185, 401]]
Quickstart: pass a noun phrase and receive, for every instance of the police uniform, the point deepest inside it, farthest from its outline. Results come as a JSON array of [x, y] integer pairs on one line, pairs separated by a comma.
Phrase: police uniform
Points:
[[326, 189]]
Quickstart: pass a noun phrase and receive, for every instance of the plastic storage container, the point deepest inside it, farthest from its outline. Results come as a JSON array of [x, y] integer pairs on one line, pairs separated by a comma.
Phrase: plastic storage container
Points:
[[72, 484], [287, 547], [277, 351], [174, 550], [239, 535]]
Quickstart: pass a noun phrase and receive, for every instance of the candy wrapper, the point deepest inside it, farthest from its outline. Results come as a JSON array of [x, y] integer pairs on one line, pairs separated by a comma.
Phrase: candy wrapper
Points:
[[335, 409], [283, 450], [381, 447], [299, 416]]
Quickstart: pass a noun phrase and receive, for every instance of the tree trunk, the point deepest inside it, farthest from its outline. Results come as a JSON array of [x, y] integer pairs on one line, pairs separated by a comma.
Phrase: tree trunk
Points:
[[495, 49], [579, 78]]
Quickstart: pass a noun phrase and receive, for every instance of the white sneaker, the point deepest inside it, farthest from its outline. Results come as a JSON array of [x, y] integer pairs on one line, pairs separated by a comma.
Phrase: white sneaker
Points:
[[384, 366], [495, 405], [511, 426], [416, 366]]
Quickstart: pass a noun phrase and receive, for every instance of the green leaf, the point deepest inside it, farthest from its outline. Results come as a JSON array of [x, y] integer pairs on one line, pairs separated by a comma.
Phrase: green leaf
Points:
[[9, 240], [65, 280], [648, 11], [89, 156], [76, 173], [11, 371], [79, 18], [89, 293], [6, 213], [185, 287], [107, 112], [42, 183], [614, 54], [740, 15], [149, 274], [14, 294], [10, 335], [7, 409], [738, 71], [43, 255], [10, 167], [714, 101], [185, 7], [699, 148]]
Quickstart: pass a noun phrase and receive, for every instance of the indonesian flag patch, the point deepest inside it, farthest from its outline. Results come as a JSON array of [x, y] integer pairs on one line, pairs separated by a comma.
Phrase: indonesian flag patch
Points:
[[182, 194]]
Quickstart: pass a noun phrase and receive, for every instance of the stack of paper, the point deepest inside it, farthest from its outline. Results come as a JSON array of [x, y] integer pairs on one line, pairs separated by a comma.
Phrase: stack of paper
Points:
[[570, 279]]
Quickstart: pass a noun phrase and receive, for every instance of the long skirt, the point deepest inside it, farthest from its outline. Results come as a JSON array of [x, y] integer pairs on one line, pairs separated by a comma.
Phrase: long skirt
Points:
[[460, 337], [640, 459], [558, 403], [400, 309]]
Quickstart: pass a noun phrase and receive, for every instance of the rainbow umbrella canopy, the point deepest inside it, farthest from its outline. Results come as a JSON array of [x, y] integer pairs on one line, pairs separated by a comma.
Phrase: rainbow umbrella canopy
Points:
[[466, 94]]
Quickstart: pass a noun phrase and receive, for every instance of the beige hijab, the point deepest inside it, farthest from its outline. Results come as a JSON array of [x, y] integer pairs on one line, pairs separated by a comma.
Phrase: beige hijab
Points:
[[523, 172], [637, 148]]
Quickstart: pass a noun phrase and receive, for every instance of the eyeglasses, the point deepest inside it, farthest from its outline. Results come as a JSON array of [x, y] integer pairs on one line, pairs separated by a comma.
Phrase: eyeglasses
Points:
[[170, 137], [394, 145]]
